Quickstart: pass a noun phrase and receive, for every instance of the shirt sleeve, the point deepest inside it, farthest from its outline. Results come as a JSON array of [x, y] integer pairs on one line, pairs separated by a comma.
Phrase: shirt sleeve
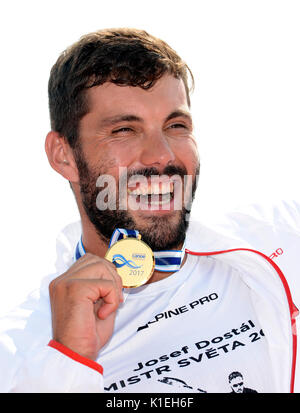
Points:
[[51, 370], [33, 363]]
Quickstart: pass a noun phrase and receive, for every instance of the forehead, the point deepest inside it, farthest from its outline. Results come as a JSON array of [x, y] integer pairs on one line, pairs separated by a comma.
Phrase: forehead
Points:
[[168, 93], [237, 379]]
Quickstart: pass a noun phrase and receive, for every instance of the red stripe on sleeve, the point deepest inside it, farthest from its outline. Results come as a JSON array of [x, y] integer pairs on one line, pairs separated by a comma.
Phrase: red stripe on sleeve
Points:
[[75, 356]]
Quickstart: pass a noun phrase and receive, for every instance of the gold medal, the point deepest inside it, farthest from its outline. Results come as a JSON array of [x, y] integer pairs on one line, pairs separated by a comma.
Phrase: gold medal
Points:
[[134, 261]]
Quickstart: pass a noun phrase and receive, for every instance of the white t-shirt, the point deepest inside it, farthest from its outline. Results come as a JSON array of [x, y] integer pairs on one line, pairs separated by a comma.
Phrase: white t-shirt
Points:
[[195, 331]]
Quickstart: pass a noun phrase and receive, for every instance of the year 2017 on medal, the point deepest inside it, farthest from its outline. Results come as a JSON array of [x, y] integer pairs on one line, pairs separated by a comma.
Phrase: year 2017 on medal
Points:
[[139, 273]]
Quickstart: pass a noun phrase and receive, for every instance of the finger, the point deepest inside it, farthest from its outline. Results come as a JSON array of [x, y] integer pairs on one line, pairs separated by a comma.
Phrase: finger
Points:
[[102, 271], [97, 292], [90, 259], [91, 267], [94, 266], [109, 301]]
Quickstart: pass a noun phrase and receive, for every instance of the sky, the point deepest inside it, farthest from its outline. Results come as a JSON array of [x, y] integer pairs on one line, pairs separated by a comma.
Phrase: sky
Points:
[[245, 59]]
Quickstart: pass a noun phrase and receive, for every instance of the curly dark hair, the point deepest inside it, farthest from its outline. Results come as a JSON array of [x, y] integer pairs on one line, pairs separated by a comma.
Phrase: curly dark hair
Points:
[[124, 56]]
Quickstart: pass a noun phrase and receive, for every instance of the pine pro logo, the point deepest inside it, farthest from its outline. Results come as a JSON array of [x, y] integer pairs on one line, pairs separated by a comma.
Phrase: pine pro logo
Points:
[[197, 304]]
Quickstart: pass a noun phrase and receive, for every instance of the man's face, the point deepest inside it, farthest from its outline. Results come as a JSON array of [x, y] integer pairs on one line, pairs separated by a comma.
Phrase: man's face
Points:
[[237, 385], [134, 133]]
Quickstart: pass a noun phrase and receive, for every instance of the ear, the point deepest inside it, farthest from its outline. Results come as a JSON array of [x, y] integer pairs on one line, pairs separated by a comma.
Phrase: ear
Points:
[[60, 156]]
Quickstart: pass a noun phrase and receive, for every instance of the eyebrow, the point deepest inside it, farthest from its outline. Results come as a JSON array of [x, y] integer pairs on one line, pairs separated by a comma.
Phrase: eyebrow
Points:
[[113, 120], [179, 114]]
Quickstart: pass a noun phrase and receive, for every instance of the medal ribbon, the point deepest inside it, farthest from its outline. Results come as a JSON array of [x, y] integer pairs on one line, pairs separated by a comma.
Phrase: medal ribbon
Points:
[[165, 261]]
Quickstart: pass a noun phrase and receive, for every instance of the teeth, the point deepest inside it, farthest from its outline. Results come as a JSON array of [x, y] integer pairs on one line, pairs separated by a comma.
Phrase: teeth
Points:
[[156, 189], [167, 187], [165, 199]]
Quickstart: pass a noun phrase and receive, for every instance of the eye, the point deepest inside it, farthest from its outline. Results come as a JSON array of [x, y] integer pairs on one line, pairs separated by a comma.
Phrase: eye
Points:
[[121, 130], [177, 125]]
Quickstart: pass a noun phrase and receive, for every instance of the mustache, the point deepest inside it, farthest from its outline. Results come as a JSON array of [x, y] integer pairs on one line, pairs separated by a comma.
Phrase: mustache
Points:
[[168, 170]]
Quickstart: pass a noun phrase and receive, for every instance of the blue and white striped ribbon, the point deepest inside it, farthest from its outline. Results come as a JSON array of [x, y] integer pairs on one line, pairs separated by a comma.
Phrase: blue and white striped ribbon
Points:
[[165, 261], [119, 233], [80, 250]]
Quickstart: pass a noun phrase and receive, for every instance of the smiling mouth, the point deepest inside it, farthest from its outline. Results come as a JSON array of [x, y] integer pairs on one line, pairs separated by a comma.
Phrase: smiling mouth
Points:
[[153, 195]]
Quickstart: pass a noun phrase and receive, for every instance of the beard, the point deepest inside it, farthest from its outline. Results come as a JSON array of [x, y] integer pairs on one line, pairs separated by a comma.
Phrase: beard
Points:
[[159, 232]]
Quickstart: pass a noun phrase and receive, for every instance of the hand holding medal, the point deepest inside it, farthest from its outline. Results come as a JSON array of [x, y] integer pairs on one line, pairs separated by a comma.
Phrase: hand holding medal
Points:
[[133, 258], [135, 261]]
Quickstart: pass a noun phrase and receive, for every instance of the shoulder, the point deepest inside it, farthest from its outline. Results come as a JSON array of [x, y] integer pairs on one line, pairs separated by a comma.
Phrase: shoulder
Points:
[[246, 390], [271, 228]]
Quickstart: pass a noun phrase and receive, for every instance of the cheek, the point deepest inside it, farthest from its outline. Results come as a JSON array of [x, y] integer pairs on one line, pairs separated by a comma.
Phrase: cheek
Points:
[[111, 157], [187, 153]]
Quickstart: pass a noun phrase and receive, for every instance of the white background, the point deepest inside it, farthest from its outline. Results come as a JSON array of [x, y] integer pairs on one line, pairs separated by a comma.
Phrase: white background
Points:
[[246, 62]]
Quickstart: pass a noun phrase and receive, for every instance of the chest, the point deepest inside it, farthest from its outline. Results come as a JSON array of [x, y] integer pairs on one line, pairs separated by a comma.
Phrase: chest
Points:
[[191, 338]]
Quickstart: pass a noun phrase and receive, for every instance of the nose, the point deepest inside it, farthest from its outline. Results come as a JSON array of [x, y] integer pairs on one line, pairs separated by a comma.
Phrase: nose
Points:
[[157, 150]]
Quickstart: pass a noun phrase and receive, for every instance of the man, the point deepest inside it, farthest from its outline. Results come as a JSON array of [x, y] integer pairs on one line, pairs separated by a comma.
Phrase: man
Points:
[[120, 110], [236, 382]]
